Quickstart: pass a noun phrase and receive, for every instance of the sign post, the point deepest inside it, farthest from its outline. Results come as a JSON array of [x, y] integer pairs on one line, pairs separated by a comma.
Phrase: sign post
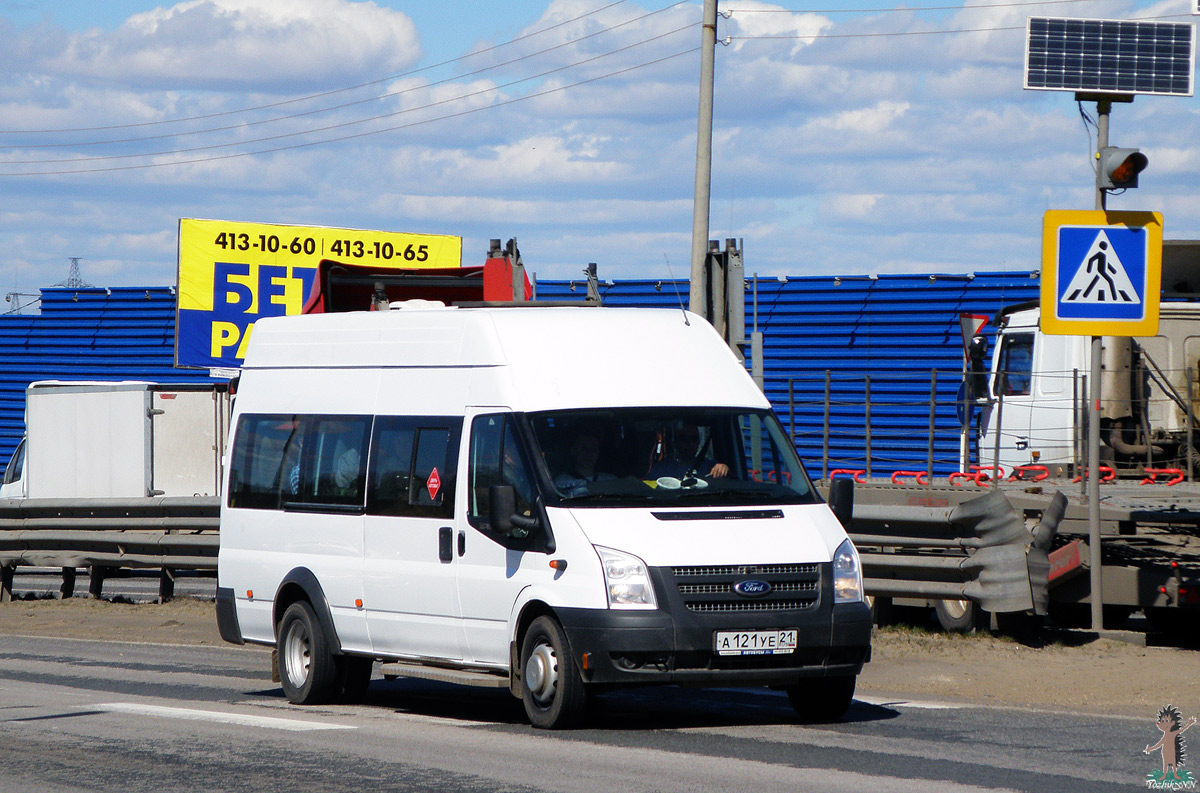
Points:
[[1101, 274]]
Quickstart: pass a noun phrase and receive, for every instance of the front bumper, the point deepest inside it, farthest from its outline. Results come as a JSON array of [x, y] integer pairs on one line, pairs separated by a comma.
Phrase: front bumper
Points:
[[675, 643]]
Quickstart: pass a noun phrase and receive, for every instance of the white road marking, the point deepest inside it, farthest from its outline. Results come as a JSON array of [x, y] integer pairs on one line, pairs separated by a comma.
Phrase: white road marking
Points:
[[893, 702], [267, 722]]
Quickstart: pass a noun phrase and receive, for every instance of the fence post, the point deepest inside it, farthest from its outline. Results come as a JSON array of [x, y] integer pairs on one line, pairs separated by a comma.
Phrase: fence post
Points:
[[166, 585], [792, 410], [67, 589], [1076, 422], [1002, 380], [932, 417], [825, 433], [867, 399], [1191, 419], [1086, 413], [6, 582], [96, 575]]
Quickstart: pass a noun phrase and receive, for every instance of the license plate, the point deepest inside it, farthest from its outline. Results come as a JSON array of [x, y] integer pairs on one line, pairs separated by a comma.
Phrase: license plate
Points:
[[755, 642]]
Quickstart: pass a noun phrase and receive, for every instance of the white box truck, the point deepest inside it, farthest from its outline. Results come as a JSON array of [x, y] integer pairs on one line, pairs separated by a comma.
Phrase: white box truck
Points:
[[127, 439], [554, 500], [1036, 411]]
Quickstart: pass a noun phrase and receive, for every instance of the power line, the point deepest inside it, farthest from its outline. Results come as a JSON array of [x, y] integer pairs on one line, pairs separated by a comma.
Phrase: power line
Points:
[[320, 94], [409, 125], [937, 32], [367, 84], [345, 124], [288, 117], [899, 8]]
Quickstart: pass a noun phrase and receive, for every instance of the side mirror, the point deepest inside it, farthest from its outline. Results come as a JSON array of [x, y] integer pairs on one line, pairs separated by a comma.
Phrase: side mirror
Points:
[[841, 501], [502, 513]]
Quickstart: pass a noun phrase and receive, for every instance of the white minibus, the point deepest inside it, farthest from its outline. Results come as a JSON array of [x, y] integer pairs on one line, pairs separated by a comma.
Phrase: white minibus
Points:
[[554, 500]]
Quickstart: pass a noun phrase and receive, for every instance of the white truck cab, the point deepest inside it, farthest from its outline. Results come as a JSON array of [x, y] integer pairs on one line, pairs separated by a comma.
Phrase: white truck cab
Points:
[[559, 499], [1034, 414]]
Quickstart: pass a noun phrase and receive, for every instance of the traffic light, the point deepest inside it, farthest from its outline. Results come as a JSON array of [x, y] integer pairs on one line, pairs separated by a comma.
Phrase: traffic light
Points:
[[1119, 168]]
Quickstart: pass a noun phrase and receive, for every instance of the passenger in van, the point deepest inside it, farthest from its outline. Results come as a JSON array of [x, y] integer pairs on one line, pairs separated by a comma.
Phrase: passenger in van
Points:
[[687, 455], [585, 455], [346, 469]]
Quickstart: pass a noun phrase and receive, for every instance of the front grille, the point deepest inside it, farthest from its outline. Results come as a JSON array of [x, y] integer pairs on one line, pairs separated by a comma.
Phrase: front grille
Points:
[[710, 589], [751, 605], [721, 589], [747, 570]]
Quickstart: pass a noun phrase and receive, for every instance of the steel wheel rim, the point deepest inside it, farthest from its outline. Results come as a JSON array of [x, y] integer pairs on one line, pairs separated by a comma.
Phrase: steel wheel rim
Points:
[[956, 609], [541, 673], [297, 655]]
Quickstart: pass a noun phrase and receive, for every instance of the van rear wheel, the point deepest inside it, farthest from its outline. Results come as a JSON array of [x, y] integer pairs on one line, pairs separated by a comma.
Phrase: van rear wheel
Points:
[[307, 668], [551, 688]]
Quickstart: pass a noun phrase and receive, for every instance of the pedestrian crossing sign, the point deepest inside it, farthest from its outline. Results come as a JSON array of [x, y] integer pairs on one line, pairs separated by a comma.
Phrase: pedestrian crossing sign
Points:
[[1101, 273]]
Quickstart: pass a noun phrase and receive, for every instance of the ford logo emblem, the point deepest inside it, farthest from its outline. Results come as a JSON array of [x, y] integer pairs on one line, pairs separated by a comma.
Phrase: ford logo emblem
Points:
[[752, 588]]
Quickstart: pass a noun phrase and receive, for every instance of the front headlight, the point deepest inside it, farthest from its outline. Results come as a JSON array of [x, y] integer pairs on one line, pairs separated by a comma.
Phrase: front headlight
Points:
[[847, 574], [627, 580]]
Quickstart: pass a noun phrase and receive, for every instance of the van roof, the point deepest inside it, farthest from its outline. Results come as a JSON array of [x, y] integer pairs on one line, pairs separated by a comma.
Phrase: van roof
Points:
[[552, 356]]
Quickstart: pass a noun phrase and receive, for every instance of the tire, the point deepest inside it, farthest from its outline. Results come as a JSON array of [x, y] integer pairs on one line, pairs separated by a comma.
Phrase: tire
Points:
[[354, 677], [551, 688], [821, 700], [955, 616], [307, 668]]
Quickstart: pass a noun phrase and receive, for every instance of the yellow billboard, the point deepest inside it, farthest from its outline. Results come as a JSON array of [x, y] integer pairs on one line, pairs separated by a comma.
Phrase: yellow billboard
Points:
[[231, 273]]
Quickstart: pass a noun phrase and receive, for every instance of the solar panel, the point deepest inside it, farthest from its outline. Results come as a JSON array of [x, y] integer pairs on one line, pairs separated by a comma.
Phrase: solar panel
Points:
[[1110, 56]]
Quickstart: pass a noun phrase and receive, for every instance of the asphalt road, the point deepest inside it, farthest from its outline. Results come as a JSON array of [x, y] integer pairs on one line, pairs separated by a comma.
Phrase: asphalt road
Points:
[[102, 716]]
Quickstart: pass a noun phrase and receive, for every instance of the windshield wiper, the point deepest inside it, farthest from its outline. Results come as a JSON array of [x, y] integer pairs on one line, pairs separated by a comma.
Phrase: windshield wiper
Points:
[[608, 497], [735, 494]]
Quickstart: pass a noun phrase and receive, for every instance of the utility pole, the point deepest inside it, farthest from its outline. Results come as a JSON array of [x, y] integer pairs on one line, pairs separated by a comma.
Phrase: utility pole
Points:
[[697, 299], [1095, 558]]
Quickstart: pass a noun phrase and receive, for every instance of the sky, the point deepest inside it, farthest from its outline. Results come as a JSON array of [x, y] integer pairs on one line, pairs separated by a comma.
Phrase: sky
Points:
[[849, 138]]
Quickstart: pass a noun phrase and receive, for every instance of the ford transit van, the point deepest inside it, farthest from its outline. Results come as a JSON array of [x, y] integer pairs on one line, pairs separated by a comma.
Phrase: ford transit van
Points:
[[555, 500]]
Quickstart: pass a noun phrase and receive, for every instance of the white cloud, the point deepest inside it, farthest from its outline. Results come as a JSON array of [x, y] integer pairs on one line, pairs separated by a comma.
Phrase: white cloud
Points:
[[251, 43], [769, 21]]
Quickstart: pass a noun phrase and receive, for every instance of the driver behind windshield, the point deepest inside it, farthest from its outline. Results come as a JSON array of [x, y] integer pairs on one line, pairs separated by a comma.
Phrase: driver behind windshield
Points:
[[584, 451], [685, 454]]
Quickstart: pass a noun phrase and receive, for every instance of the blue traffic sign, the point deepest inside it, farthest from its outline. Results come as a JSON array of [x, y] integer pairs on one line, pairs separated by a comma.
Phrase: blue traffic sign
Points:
[[1101, 273]]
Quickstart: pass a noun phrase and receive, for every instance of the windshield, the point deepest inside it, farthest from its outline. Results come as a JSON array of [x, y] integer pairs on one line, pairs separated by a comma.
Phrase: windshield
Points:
[[659, 456]]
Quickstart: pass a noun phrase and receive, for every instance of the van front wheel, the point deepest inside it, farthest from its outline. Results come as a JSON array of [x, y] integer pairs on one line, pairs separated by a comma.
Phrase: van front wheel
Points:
[[551, 688], [307, 668]]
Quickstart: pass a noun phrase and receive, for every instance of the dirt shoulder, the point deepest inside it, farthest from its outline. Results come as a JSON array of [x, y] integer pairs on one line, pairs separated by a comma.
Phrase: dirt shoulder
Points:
[[1073, 673]]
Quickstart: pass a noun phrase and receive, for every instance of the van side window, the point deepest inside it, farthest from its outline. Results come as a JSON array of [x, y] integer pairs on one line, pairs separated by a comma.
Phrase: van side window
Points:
[[300, 461], [497, 459], [257, 471], [334, 461], [406, 452]]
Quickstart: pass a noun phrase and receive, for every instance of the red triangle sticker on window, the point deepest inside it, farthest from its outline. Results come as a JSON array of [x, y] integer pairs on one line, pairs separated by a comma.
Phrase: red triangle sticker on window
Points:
[[433, 484]]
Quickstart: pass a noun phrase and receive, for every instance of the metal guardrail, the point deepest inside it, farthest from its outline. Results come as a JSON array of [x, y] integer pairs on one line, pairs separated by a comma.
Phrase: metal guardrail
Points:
[[980, 550], [105, 535]]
